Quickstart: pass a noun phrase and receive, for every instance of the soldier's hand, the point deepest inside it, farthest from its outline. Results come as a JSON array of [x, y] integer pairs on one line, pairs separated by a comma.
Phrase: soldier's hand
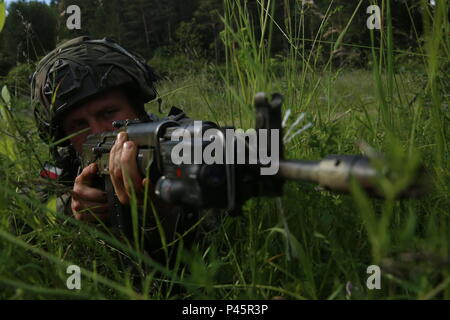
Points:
[[87, 200], [123, 170]]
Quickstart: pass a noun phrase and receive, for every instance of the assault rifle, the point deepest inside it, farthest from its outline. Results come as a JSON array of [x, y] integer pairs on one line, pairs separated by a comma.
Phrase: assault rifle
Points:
[[229, 184]]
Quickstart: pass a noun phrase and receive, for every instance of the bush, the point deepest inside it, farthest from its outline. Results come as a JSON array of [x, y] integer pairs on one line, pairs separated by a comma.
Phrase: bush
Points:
[[171, 64], [18, 79]]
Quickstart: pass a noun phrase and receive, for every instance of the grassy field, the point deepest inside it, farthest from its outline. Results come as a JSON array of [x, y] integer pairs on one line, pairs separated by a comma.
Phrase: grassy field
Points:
[[309, 244]]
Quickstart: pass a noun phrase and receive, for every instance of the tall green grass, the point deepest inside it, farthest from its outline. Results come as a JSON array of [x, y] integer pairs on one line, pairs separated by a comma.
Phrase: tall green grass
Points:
[[310, 244]]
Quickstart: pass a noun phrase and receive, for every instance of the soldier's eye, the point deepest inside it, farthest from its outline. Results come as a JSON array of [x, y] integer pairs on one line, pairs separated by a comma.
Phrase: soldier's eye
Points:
[[109, 113], [77, 126]]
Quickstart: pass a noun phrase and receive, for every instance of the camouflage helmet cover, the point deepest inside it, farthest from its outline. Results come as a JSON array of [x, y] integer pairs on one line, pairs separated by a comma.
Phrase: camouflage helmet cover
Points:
[[80, 69]]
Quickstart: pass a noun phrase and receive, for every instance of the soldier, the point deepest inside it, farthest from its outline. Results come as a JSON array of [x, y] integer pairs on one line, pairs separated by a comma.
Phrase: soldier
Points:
[[83, 86]]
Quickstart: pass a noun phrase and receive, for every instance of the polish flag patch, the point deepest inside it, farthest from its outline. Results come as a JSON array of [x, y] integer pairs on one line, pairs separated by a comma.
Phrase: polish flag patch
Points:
[[50, 172]]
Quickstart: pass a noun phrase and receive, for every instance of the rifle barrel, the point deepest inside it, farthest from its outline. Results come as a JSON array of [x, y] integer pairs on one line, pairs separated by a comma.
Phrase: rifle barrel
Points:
[[332, 173]]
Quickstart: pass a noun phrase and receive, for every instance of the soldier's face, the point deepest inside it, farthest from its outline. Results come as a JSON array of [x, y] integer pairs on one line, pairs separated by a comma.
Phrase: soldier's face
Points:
[[97, 115]]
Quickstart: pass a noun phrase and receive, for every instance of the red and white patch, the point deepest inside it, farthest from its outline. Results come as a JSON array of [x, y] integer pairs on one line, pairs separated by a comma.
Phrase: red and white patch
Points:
[[51, 172]]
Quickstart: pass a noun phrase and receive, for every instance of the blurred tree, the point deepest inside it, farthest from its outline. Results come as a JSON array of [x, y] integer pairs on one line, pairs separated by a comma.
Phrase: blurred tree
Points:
[[192, 28], [150, 24], [145, 23], [199, 37], [5, 62], [330, 20], [25, 36]]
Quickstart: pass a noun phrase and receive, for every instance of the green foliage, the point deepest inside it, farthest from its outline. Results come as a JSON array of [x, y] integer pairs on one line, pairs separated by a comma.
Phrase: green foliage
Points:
[[25, 37], [193, 27], [309, 244], [199, 37], [2, 14], [18, 79], [7, 143], [170, 64]]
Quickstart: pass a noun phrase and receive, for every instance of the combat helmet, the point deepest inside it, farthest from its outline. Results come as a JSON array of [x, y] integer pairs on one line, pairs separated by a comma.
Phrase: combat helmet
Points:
[[80, 69]]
